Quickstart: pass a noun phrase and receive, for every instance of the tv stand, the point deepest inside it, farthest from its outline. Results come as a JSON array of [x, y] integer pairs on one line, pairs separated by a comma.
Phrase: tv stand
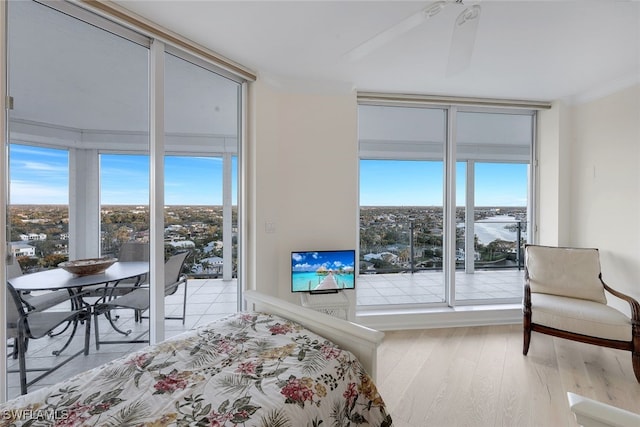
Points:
[[334, 304]]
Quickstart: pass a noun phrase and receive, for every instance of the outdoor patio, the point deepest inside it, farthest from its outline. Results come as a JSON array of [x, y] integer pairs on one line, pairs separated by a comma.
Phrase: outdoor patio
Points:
[[211, 299], [427, 287]]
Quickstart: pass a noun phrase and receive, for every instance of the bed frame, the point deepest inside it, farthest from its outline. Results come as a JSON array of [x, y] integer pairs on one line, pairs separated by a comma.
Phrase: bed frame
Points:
[[363, 342]]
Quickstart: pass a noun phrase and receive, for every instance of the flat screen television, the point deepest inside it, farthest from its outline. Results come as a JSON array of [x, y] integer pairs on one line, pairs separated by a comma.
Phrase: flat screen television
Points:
[[323, 271]]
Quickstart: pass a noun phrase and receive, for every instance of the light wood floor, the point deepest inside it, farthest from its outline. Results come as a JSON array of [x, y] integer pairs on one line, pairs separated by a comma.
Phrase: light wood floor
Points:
[[477, 376]]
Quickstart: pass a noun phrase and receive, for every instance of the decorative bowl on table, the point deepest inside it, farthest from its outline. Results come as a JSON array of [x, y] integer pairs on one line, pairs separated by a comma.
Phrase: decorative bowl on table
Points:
[[86, 267]]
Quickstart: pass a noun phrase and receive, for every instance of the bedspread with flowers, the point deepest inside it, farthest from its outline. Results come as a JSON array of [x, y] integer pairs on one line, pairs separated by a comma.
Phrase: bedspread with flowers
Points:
[[248, 369]]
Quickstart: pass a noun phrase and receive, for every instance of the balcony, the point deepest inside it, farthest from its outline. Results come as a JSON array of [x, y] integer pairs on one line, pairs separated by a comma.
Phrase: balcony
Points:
[[402, 260], [426, 287]]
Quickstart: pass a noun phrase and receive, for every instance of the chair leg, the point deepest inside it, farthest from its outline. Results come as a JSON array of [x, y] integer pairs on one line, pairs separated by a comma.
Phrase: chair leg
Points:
[[73, 333], [87, 334], [96, 332], [184, 303], [52, 334], [14, 353], [526, 330], [20, 342]]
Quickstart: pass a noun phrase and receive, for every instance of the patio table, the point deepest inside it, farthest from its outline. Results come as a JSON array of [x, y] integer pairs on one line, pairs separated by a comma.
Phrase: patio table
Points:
[[59, 279]]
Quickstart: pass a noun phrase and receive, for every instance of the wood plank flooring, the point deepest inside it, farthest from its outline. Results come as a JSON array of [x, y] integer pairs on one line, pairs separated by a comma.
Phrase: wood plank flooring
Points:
[[477, 376]]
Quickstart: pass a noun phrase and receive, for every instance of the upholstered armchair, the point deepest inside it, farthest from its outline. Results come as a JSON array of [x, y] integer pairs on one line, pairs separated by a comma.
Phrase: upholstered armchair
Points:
[[565, 296]]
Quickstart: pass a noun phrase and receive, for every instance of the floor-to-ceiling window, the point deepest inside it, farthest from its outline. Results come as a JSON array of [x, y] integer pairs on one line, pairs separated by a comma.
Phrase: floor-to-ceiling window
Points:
[[495, 148], [201, 142], [83, 151], [401, 204], [413, 209]]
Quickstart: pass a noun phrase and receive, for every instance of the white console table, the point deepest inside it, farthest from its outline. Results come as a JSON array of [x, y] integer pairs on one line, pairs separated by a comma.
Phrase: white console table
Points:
[[333, 304]]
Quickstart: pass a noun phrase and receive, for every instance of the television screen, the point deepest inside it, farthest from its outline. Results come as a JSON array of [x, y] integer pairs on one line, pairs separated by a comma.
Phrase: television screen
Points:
[[323, 271]]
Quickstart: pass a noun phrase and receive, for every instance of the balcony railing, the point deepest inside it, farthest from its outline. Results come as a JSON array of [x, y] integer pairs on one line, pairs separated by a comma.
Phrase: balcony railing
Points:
[[411, 246]]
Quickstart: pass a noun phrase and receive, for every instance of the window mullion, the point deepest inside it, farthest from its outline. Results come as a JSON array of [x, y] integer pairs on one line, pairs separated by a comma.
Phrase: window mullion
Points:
[[469, 248], [450, 208], [156, 192]]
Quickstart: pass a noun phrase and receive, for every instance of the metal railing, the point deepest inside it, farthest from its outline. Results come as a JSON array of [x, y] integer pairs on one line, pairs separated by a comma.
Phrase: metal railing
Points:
[[411, 246]]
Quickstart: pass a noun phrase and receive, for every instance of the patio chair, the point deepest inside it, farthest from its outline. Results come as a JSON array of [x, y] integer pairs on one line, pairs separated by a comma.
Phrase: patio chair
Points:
[[565, 296], [134, 251], [24, 325], [129, 252], [36, 302], [138, 298]]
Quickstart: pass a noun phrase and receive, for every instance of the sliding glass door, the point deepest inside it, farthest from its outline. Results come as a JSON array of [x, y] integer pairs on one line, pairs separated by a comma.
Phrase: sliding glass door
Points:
[[77, 89], [201, 143], [401, 205], [495, 148], [83, 160], [411, 213]]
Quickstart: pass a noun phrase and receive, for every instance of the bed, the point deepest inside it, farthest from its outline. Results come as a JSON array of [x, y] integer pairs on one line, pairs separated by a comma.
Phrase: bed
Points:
[[263, 367]]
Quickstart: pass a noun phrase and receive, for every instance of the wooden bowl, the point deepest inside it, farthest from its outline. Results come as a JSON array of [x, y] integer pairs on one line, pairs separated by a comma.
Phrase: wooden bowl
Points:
[[85, 267]]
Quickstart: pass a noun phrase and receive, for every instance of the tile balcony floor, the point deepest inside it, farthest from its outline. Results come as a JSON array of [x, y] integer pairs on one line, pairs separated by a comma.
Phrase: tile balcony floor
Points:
[[211, 299], [427, 287]]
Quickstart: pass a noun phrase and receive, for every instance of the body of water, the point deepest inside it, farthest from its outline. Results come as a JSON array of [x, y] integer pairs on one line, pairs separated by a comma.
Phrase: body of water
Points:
[[496, 227]]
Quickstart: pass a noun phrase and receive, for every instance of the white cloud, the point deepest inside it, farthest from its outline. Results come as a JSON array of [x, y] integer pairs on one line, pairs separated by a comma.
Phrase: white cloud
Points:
[[24, 193], [42, 167]]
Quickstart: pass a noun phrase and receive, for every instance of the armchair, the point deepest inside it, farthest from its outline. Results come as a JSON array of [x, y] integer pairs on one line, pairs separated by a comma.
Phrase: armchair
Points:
[[565, 296]]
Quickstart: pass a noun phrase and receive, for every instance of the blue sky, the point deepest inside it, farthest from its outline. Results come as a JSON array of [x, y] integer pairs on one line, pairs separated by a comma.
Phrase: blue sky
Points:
[[40, 176], [420, 183]]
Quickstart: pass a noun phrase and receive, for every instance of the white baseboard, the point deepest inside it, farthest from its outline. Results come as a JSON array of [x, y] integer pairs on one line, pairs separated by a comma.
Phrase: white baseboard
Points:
[[392, 320]]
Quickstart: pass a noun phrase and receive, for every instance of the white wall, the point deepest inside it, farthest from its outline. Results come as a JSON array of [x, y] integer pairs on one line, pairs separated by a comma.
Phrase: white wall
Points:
[[552, 173], [605, 184], [305, 152]]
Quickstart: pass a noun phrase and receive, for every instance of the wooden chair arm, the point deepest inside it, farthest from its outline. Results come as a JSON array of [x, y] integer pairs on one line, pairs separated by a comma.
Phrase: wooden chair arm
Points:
[[633, 303]]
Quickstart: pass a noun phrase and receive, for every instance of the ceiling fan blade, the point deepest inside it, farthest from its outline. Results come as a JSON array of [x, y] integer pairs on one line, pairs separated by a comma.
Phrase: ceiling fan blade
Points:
[[394, 31], [463, 39]]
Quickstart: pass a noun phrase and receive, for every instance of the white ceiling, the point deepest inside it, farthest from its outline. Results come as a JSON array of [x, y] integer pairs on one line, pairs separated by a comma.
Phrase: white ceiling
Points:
[[538, 50]]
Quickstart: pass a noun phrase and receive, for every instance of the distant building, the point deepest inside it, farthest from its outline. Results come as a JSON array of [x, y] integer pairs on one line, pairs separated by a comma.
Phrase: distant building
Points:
[[33, 236], [181, 244], [213, 246], [211, 265], [22, 249], [385, 256]]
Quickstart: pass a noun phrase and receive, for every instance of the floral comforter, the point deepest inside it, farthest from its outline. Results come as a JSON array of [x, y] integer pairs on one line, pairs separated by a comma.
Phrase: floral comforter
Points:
[[248, 369]]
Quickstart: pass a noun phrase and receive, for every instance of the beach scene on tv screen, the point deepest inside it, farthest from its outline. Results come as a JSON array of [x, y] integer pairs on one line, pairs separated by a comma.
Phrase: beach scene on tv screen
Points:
[[322, 271]]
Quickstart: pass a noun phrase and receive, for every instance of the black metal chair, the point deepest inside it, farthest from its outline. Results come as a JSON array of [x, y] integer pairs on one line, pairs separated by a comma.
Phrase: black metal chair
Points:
[[24, 325], [138, 298]]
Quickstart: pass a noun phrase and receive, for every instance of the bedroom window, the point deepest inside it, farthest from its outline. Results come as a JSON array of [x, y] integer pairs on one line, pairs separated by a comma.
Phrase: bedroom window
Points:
[[422, 244]]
